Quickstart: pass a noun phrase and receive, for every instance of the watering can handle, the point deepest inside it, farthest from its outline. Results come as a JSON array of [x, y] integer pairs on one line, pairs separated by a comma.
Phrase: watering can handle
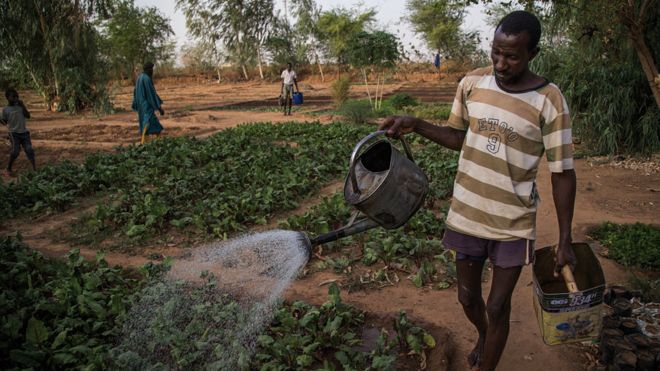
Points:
[[356, 150]]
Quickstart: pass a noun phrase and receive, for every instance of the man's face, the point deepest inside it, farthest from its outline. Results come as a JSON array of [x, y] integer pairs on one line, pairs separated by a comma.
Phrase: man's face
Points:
[[511, 56], [288, 67], [12, 98], [149, 71]]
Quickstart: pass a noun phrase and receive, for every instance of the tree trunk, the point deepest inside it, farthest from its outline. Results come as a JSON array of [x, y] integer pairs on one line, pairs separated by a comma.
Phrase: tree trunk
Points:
[[634, 22], [261, 72], [44, 32], [245, 74], [217, 71], [320, 68], [648, 65], [366, 83]]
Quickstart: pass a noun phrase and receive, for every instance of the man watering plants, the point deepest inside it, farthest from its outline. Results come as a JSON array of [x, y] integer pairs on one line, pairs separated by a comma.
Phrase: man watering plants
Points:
[[503, 119], [146, 102]]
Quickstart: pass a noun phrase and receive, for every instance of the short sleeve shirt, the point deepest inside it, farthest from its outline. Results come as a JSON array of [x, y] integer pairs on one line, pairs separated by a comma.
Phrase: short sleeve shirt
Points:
[[13, 116], [507, 134], [288, 77]]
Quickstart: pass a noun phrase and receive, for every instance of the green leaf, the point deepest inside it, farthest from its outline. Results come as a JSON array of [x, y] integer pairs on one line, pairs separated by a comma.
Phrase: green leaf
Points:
[[59, 339], [429, 340], [36, 332], [333, 293]]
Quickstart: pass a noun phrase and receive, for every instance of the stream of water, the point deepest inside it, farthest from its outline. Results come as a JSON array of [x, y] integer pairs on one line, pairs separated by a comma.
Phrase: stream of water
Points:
[[249, 272]]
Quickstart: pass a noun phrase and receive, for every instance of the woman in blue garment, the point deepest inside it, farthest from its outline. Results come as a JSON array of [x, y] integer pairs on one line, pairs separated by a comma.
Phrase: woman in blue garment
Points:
[[145, 102]]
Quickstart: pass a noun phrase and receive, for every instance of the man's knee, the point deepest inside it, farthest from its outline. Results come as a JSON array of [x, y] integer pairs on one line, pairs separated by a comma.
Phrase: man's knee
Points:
[[498, 309], [468, 298], [29, 152]]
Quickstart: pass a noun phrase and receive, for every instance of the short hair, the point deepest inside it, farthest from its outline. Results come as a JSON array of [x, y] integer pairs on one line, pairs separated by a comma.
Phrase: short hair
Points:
[[148, 65], [519, 21], [9, 91]]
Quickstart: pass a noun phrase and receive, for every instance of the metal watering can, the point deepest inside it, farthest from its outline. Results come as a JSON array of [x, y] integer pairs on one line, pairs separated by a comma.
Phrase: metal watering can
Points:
[[383, 184]]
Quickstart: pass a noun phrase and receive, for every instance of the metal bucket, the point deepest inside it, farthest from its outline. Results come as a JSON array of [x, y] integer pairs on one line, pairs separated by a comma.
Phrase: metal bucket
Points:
[[383, 184]]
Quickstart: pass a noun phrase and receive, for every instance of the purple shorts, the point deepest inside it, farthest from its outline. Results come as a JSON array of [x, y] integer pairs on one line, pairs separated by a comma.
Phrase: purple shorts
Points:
[[504, 254]]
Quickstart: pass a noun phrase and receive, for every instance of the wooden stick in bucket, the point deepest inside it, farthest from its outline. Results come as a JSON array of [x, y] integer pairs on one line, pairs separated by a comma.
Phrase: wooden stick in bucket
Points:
[[567, 273]]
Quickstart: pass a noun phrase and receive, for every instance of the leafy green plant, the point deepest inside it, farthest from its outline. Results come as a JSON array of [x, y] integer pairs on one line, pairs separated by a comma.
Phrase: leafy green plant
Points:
[[339, 90], [413, 338], [59, 314], [356, 111], [432, 112], [631, 244], [649, 287], [400, 100]]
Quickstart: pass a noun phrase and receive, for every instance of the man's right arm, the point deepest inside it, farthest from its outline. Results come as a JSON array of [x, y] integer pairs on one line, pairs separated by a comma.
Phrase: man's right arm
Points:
[[444, 135]]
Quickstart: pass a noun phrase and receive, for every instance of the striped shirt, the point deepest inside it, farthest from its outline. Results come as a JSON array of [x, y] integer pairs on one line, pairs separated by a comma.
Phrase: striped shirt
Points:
[[507, 133]]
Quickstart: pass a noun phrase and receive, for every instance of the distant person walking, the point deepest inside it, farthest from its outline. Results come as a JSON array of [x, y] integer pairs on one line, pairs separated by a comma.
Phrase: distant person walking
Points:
[[14, 116], [288, 81], [146, 102]]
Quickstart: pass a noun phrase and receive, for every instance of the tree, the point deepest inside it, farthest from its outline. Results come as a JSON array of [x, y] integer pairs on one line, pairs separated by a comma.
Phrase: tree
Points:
[[135, 35], [377, 50], [241, 26], [336, 27], [594, 50], [439, 23], [307, 14], [52, 46]]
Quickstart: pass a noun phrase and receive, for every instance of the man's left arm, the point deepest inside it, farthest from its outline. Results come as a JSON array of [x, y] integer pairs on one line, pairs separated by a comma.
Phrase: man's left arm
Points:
[[563, 193]]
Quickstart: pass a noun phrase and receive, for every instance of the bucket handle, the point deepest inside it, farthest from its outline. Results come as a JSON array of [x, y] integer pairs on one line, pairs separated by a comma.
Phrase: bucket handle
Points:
[[356, 150]]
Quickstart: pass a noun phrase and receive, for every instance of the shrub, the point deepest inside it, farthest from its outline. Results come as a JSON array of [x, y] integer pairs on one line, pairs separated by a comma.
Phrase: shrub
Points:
[[631, 244], [434, 112], [400, 100], [356, 111], [340, 89]]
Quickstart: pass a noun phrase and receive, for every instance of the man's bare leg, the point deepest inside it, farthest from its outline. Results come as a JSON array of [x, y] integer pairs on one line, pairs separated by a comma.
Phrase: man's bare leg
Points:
[[499, 312], [469, 295]]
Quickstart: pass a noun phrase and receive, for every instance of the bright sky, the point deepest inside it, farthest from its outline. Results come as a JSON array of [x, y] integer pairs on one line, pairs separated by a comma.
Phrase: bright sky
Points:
[[389, 13]]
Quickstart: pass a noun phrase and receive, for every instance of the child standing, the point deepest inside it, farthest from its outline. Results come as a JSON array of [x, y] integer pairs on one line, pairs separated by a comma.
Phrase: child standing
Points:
[[14, 116]]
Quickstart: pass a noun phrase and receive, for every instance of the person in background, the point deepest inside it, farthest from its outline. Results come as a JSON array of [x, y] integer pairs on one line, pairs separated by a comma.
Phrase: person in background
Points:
[[503, 119], [15, 116], [437, 61], [289, 79], [146, 102]]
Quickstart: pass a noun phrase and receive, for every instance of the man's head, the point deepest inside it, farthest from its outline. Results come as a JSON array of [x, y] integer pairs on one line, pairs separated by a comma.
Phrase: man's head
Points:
[[12, 96], [289, 66], [515, 44], [149, 68]]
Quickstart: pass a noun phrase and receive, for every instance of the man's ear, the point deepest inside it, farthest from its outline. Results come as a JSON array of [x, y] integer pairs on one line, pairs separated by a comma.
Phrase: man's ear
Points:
[[534, 53]]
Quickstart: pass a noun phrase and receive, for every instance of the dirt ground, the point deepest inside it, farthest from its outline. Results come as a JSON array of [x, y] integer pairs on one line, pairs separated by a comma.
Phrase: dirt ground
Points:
[[605, 193]]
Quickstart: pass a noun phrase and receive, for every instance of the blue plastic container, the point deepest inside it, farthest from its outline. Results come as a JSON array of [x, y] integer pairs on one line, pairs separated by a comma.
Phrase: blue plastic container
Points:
[[298, 98]]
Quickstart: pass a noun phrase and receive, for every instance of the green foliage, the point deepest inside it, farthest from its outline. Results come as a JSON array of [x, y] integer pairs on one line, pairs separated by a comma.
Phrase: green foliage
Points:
[[356, 111], [184, 326], [136, 35], [211, 187], [650, 287], [339, 90], [631, 244], [328, 337], [400, 100], [339, 25], [412, 338], [378, 49], [242, 27], [52, 46], [439, 23], [429, 111], [59, 314]]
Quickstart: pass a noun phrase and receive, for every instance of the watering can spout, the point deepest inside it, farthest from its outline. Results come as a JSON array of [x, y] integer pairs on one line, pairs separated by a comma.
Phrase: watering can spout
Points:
[[349, 230]]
